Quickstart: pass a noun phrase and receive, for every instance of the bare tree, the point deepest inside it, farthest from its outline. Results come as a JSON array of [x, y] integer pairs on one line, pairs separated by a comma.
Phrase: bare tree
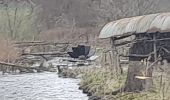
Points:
[[116, 9], [18, 12], [146, 7]]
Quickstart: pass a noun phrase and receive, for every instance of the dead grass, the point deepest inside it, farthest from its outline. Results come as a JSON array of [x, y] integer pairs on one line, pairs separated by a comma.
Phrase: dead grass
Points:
[[101, 82], [8, 53]]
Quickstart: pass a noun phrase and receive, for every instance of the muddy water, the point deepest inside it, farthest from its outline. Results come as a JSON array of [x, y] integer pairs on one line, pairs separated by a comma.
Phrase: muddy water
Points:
[[39, 86]]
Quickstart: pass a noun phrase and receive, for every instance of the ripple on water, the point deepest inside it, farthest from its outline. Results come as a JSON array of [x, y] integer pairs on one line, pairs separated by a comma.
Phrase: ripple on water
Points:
[[39, 86]]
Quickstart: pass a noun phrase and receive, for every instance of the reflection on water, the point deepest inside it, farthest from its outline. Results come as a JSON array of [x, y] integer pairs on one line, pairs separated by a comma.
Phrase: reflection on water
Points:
[[39, 86]]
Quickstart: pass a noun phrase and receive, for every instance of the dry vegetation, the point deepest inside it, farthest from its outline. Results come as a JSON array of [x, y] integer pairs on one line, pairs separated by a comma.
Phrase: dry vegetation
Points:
[[101, 82], [23, 24], [8, 53]]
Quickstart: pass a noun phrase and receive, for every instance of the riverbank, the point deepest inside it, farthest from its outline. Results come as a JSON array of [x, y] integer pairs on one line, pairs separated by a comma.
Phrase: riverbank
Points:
[[99, 83]]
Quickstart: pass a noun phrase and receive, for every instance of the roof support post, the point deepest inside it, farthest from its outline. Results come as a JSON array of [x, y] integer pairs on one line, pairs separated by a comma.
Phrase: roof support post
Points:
[[116, 58], [155, 47]]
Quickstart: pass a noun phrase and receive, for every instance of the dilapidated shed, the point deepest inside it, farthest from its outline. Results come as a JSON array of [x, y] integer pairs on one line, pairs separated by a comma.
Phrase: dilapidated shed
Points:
[[140, 38], [148, 34]]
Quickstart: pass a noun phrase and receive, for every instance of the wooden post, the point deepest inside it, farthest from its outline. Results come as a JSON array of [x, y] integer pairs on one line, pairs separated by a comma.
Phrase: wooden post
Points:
[[113, 53], [116, 58], [111, 61], [59, 69], [155, 47]]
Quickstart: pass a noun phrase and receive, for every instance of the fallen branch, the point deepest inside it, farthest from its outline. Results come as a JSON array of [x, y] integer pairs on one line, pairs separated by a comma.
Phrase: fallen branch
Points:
[[17, 66]]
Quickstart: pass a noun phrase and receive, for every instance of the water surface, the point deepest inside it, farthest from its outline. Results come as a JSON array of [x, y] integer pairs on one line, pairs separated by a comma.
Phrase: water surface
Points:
[[39, 86]]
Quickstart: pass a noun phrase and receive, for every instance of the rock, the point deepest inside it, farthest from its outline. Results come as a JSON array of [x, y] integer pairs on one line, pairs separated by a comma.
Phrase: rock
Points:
[[85, 91], [94, 98]]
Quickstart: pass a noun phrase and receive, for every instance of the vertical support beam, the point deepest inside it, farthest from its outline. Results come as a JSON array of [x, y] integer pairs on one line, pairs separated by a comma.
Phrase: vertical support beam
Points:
[[116, 58], [59, 69], [155, 47], [113, 55]]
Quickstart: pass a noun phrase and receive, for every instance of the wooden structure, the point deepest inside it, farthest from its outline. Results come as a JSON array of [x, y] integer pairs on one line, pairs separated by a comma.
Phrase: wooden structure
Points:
[[34, 52], [43, 49], [141, 39], [41, 46], [141, 36]]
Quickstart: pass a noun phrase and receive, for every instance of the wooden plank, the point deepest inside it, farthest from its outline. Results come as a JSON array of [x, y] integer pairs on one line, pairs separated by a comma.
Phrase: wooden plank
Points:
[[45, 53], [18, 66], [122, 37], [38, 44], [124, 43], [155, 46], [141, 40], [29, 42], [138, 55], [135, 55]]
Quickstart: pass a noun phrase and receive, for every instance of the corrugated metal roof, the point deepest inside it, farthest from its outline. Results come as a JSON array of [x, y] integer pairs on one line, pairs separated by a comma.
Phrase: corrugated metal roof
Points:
[[147, 23]]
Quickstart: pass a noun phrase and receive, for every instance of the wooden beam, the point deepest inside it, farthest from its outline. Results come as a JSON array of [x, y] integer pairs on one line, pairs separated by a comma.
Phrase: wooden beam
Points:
[[138, 55], [18, 66], [29, 42], [141, 40], [41, 43], [121, 37], [155, 46], [45, 53], [123, 43], [135, 55], [124, 35]]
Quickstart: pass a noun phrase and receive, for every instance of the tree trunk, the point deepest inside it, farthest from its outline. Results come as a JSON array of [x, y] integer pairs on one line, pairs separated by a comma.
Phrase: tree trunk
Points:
[[134, 84]]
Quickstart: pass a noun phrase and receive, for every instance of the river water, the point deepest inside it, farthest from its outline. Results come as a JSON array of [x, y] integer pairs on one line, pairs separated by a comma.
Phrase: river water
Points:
[[39, 86]]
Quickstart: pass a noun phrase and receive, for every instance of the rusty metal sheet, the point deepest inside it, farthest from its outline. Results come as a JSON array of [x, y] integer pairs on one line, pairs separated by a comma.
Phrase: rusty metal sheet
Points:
[[166, 25], [131, 26], [144, 24], [157, 23], [141, 24], [107, 30], [120, 26]]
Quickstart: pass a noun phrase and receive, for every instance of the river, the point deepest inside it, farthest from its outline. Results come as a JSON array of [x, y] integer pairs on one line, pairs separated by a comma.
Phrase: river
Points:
[[39, 86]]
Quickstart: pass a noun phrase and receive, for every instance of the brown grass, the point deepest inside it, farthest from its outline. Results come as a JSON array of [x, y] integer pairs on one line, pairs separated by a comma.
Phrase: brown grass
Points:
[[100, 82], [8, 53]]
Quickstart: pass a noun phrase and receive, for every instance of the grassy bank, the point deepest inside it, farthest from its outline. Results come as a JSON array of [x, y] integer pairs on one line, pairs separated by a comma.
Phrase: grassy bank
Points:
[[100, 83], [75, 72]]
